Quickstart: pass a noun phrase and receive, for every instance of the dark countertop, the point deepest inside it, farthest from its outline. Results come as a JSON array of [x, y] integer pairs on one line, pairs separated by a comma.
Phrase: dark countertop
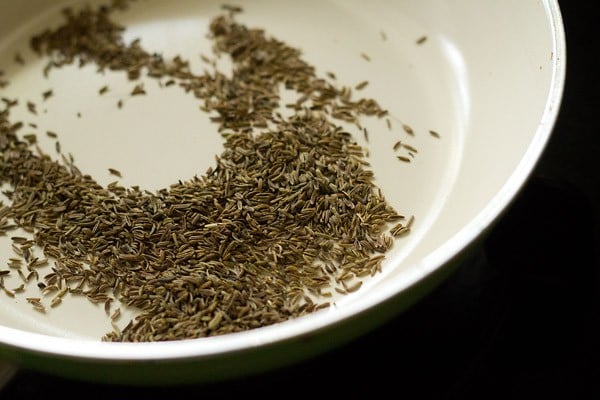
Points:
[[516, 322]]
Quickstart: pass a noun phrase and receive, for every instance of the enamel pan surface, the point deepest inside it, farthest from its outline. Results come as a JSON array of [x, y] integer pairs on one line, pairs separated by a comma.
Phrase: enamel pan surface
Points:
[[486, 75]]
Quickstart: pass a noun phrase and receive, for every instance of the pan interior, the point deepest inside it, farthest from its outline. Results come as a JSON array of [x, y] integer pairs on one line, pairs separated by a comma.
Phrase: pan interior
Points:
[[434, 68]]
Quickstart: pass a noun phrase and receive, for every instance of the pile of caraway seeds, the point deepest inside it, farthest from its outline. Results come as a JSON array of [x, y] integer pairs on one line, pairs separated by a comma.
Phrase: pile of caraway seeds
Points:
[[288, 216]]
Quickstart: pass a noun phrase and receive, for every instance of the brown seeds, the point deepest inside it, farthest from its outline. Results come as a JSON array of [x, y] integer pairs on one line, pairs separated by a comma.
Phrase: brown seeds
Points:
[[288, 207]]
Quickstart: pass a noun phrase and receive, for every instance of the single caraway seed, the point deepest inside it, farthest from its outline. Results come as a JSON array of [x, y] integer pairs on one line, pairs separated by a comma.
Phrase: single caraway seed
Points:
[[361, 85], [32, 107], [138, 90], [115, 172], [47, 94], [421, 39], [409, 148]]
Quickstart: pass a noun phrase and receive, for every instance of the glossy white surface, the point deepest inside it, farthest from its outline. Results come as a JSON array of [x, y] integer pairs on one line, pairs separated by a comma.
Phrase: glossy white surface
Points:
[[489, 79]]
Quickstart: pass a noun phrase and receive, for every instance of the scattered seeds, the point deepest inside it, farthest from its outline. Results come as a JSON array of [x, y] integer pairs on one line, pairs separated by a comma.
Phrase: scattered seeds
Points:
[[288, 214]]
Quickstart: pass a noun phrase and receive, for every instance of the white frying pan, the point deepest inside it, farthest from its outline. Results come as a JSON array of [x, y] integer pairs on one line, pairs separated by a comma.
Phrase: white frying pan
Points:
[[487, 76]]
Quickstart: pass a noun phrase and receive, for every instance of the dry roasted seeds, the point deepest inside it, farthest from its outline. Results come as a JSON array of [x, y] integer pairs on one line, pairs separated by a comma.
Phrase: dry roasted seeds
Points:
[[288, 214]]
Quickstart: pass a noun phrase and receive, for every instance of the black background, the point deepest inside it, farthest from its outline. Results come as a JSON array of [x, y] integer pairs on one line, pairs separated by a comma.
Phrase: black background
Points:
[[516, 322]]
